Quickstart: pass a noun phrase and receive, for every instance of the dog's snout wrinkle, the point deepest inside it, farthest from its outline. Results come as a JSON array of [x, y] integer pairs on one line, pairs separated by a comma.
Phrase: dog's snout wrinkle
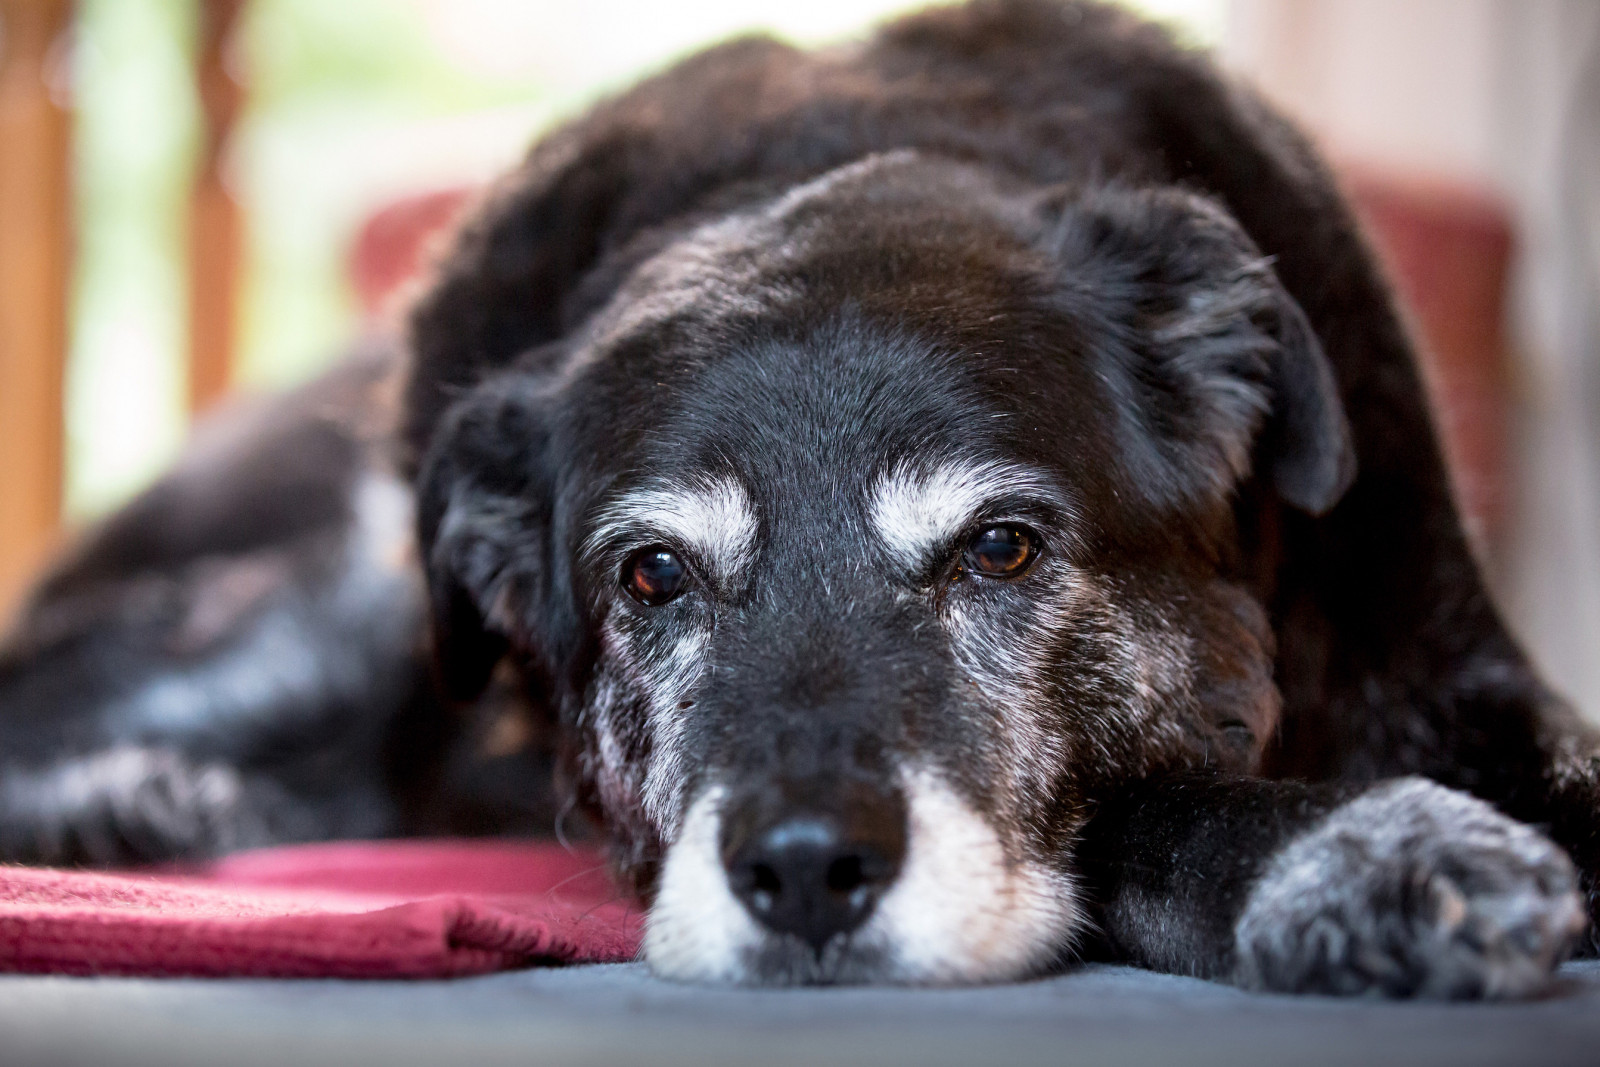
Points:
[[811, 861]]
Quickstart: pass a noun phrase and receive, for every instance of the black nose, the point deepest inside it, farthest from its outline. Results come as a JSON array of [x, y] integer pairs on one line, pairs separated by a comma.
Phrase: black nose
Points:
[[812, 859]]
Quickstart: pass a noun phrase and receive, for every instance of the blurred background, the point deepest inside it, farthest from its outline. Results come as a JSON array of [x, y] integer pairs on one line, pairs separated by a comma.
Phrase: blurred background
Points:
[[205, 197]]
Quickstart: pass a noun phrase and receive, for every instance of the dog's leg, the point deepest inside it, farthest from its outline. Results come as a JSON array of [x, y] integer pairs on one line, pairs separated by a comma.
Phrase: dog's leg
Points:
[[1567, 804], [133, 803], [1405, 887], [234, 702], [1532, 756]]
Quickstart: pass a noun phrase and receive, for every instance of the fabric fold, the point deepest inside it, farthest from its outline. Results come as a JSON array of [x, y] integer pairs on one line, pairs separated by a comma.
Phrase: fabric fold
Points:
[[393, 909]]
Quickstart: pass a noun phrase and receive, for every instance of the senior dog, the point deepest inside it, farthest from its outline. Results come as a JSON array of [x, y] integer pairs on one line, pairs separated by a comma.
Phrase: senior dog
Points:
[[943, 504]]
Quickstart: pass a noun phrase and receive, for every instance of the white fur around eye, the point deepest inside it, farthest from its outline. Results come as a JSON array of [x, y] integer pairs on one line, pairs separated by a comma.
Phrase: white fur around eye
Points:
[[918, 511], [711, 517]]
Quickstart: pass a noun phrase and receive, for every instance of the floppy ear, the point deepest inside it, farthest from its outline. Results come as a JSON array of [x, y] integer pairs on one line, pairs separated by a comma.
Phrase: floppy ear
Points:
[[1221, 372], [482, 529], [1307, 441], [498, 290]]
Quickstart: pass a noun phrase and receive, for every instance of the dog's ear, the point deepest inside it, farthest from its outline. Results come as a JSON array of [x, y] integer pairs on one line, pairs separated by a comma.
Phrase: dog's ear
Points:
[[483, 512], [1307, 440], [1220, 370], [498, 290]]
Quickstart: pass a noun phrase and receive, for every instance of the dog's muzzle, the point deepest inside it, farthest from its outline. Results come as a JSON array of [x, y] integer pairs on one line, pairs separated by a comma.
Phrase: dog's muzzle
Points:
[[811, 858]]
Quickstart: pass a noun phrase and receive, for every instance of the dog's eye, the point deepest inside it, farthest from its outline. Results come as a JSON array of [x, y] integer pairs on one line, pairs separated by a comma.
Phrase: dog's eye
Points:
[[1002, 551], [654, 576]]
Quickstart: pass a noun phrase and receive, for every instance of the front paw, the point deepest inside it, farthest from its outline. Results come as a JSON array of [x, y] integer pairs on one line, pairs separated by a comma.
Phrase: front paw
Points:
[[121, 805], [1411, 889]]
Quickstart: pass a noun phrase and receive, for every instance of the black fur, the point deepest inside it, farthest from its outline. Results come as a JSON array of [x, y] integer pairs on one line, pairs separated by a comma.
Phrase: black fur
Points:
[[1033, 231], [223, 662]]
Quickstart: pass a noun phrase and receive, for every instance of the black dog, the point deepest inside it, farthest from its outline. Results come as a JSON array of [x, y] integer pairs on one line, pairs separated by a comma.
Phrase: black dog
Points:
[[944, 504]]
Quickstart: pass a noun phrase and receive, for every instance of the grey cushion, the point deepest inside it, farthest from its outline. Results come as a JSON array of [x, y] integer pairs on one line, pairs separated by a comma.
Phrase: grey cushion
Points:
[[1098, 1015]]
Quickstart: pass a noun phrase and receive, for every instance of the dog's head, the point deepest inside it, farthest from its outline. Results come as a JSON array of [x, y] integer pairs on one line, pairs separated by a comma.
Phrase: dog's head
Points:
[[864, 534]]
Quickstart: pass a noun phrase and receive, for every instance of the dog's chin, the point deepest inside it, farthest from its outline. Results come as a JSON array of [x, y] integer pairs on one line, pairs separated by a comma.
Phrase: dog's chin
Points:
[[961, 912]]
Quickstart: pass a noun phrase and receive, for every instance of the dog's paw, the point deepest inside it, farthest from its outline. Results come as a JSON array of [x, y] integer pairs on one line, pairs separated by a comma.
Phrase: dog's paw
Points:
[[1411, 889], [122, 805]]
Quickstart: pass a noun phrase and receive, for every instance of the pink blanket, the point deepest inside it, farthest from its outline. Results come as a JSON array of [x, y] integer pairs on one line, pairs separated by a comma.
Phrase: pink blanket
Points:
[[392, 909]]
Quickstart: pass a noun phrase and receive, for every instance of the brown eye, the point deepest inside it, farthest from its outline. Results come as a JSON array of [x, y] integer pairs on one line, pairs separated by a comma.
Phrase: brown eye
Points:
[[654, 576], [1002, 551]]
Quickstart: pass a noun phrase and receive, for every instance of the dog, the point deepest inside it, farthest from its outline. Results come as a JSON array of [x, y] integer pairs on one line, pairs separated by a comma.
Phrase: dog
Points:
[[945, 505]]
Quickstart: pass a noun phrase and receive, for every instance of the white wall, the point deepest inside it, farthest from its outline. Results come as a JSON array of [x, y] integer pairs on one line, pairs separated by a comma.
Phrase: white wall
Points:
[[1505, 94]]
